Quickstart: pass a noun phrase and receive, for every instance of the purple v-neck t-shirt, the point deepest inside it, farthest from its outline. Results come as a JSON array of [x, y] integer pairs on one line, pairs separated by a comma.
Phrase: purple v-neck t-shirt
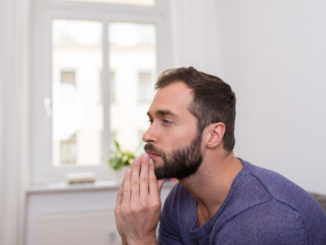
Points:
[[262, 207]]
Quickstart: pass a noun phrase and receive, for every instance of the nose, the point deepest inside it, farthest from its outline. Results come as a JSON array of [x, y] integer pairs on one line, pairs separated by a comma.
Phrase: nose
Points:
[[149, 135]]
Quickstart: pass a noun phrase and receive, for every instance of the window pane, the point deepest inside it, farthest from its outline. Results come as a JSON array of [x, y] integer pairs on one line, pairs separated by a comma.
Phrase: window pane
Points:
[[130, 2], [132, 58], [77, 104], [144, 86]]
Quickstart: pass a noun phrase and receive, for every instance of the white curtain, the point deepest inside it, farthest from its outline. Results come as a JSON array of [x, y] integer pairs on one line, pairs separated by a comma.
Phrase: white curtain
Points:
[[13, 118], [194, 34]]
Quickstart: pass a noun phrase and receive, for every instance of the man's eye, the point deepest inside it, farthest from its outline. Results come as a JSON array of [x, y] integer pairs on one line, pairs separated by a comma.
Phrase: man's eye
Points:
[[150, 121], [167, 122]]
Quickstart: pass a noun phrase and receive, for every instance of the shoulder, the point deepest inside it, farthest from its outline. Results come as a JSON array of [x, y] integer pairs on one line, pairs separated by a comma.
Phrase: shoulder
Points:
[[270, 222], [281, 207], [287, 192], [282, 189]]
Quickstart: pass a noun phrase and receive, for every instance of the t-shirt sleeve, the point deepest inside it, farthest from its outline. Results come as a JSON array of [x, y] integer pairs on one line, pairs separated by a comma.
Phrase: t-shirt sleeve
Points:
[[168, 231]]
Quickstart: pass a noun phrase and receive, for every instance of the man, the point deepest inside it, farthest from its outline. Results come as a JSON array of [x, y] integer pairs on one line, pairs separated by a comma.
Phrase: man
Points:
[[220, 199]]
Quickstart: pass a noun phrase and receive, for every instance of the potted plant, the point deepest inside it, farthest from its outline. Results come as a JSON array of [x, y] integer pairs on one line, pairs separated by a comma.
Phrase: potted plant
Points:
[[120, 158]]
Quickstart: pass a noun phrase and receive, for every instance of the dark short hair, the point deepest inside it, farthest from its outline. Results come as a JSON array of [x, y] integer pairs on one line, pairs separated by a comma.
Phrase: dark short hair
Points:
[[213, 101]]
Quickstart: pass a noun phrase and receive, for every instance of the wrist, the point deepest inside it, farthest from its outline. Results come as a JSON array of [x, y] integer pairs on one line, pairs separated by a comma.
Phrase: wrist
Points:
[[143, 241], [124, 241]]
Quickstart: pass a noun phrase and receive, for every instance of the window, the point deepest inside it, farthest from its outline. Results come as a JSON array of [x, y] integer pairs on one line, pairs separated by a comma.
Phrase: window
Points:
[[131, 48], [68, 151], [68, 77], [93, 77], [145, 86], [68, 145], [112, 87], [132, 2], [77, 103]]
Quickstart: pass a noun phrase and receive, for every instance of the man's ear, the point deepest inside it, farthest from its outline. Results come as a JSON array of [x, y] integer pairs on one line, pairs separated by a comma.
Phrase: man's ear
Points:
[[213, 134]]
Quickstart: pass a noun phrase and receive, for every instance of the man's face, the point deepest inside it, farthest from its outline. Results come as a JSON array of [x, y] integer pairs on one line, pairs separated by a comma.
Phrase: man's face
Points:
[[173, 141]]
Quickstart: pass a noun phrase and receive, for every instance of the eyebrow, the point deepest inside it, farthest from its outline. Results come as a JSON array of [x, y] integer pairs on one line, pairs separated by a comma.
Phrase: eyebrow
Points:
[[163, 113]]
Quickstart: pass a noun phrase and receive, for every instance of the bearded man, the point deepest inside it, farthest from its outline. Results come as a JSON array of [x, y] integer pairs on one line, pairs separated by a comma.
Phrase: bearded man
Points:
[[220, 199]]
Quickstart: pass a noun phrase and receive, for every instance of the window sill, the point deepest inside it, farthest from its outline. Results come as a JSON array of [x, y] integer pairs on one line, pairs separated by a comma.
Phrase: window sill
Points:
[[65, 187]]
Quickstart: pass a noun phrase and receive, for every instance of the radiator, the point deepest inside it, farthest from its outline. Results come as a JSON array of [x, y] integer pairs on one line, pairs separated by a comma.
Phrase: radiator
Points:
[[78, 228]]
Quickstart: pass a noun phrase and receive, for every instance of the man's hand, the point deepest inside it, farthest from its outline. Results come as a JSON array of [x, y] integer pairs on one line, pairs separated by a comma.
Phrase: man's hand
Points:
[[138, 204]]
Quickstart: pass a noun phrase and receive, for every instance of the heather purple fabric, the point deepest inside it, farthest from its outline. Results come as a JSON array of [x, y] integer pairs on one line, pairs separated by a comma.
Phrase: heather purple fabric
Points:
[[262, 207]]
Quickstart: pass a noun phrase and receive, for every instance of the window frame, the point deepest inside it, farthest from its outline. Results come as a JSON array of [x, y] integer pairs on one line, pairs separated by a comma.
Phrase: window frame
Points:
[[42, 14]]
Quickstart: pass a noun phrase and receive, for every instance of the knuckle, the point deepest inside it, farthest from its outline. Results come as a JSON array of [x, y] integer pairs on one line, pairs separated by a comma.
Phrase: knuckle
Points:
[[135, 183], [127, 211], [143, 204], [155, 204], [143, 179], [134, 208], [152, 179]]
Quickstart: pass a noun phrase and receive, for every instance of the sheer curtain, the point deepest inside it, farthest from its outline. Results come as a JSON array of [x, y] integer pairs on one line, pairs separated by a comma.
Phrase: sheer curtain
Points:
[[194, 34], [13, 117]]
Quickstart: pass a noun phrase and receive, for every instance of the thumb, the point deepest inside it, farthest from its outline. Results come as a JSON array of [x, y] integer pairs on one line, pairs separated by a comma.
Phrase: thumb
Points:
[[160, 183]]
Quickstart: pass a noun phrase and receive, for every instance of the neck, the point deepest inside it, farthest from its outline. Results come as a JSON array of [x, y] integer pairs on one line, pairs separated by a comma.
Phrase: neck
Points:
[[212, 182]]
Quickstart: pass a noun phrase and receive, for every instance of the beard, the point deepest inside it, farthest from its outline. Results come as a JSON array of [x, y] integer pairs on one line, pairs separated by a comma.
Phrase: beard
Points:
[[180, 163]]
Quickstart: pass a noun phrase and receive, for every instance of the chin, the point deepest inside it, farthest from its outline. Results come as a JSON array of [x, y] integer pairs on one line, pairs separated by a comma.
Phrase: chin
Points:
[[158, 162]]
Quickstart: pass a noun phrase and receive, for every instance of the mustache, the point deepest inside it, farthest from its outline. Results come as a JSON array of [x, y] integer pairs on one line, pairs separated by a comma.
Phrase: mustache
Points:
[[151, 148]]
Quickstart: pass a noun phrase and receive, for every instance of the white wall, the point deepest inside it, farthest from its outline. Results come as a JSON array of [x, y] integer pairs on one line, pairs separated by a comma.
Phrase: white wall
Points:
[[273, 54], [13, 114], [194, 36], [1, 123], [74, 201]]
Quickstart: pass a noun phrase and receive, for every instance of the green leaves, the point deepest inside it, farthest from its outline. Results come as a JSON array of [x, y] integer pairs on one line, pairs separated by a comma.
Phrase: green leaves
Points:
[[120, 158]]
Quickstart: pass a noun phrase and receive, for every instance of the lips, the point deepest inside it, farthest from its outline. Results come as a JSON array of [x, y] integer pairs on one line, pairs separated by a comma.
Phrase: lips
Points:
[[153, 155], [152, 151]]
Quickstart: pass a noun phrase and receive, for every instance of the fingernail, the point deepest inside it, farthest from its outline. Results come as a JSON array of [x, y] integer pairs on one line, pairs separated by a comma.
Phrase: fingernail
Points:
[[151, 162], [146, 157], [128, 172]]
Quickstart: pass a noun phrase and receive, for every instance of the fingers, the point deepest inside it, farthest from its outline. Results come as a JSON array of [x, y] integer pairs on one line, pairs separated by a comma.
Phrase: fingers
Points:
[[135, 168], [160, 184], [120, 193], [144, 176], [119, 197], [126, 187], [155, 186], [140, 182]]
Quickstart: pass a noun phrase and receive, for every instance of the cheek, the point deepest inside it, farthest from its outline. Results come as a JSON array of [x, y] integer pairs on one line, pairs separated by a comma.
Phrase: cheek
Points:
[[180, 138]]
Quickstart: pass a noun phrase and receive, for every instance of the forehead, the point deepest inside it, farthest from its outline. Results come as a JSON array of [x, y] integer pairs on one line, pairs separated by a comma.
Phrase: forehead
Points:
[[175, 97]]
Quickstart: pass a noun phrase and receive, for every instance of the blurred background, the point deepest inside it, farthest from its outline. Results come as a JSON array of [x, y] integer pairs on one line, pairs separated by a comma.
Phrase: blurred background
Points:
[[77, 75]]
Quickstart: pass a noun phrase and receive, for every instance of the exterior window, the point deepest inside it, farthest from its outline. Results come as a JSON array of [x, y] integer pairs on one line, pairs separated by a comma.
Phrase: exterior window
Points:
[[68, 146], [145, 87], [132, 47], [93, 70], [68, 77], [112, 87], [77, 105], [68, 151]]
